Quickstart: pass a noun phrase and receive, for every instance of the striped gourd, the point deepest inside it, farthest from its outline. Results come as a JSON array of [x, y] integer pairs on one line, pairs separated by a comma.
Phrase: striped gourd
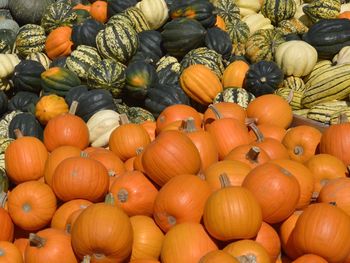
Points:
[[30, 39], [322, 9], [168, 69], [330, 84], [4, 143], [132, 16], [81, 59], [239, 32], [335, 117], [56, 15], [118, 42], [204, 56], [301, 112], [107, 74], [322, 112], [227, 10], [5, 122], [40, 57], [292, 26], [5, 84], [119, 18], [262, 45], [292, 90], [278, 10], [236, 95], [320, 66]]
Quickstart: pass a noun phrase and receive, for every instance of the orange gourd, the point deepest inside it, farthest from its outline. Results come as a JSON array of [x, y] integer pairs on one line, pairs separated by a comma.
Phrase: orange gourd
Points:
[[98, 11], [223, 110], [58, 42], [9, 253], [49, 106], [234, 74], [220, 23], [218, 256], [345, 14], [7, 227]]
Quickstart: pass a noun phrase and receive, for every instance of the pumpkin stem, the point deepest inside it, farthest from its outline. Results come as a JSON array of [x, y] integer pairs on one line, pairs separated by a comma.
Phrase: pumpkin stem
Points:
[[86, 259], [298, 150], [253, 154], [217, 113], [249, 258], [171, 220], [68, 228], [248, 121], [224, 181], [18, 133], [123, 195], [73, 107], [343, 118], [314, 196], [333, 203], [109, 199], [188, 125], [84, 154], [111, 173], [286, 172], [36, 241], [139, 150], [3, 199], [259, 135], [123, 119]]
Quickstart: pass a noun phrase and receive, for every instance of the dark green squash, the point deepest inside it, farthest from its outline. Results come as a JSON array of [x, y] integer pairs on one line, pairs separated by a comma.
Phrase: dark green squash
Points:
[[28, 124], [118, 6], [86, 32], [75, 93], [168, 70], [150, 45], [27, 76], [219, 41], [59, 62], [82, 15], [23, 101], [7, 41], [181, 35], [263, 77], [58, 80], [3, 102], [201, 10], [328, 36]]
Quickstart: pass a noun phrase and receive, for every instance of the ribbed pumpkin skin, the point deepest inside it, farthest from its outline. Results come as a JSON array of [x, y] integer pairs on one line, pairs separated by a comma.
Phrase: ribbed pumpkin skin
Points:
[[200, 83], [278, 10], [30, 39], [58, 42], [58, 14], [118, 42]]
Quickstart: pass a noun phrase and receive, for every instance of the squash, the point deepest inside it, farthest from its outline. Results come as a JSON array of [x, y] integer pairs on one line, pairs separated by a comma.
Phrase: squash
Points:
[[238, 31], [7, 40], [3, 102], [236, 95], [85, 33], [342, 57], [23, 101], [50, 106], [322, 9], [227, 10], [248, 7], [116, 6], [98, 11], [168, 70], [40, 57], [5, 121], [219, 41], [132, 16], [149, 46], [58, 42], [278, 11], [8, 62], [155, 12], [27, 124], [30, 38], [256, 22], [8, 24]]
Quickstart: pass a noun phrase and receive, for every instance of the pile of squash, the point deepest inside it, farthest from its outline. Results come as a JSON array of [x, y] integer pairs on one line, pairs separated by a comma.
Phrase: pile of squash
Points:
[[162, 131]]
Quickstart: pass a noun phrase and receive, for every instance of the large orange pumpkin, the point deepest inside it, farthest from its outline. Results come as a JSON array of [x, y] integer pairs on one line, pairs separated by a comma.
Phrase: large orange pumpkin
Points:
[[223, 110], [58, 42]]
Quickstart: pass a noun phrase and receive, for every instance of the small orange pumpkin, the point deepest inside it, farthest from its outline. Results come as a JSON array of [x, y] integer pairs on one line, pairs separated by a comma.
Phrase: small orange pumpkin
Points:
[[7, 227], [234, 74], [50, 106], [269, 239], [98, 11], [58, 42], [248, 248], [218, 256], [251, 155]]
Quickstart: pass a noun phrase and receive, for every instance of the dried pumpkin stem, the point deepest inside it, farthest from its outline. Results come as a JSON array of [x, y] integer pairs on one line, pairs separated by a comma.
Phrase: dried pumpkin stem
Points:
[[188, 125], [84, 154], [36, 241], [298, 150], [3, 199], [249, 121], [18, 133], [217, 113], [86, 259], [259, 135], [253, 153], [333, 203], [109, 199], [139, 150], [123, 195], [123, 119], [249, 258], [73, 107], [224, 180]]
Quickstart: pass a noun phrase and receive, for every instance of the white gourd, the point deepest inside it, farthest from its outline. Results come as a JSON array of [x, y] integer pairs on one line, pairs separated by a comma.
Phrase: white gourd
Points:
[[8, 62], [155, 11], [343, 57], [247, 7], [256, 22]]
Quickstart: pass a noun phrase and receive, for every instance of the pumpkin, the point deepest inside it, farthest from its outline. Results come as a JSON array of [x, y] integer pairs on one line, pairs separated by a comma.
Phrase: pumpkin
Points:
[[310, 258], [301, 142], [147, 238], [66, 129], [173, 206], [134, 193], [80, 177], [186, 242], [268, 237], [250, 249], [175, 148], [10, 253], [25, 159], [155, 12], [110, 241], [7, 231], [314, 229], [31, 205], [98, 11], [234, 74], [62, 214], [284, 192], [269, 131], [21, 244], [218, 256], [49, 107], [50, 244], [58, 42], [237, 210]]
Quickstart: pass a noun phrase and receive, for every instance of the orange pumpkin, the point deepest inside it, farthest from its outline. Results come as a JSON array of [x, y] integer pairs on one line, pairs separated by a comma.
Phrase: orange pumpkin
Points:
[[7, 227], [80, 178], [108, 241], [25, 158], [200, 83], [144, 261], [234, 74], [249, 249], [150, 127], [147, 238], [98, 11], [50, 245], [134, 193], [345, 14], [129, 164], [50, 106], [246, 153], [186, 242], [269, 131], [218, 256], [222, 110], [220, 23], [21, 244], [31, 205], [82, 7], [72, 218], [59, 219], [301, 142], [9, 253], [269, 239], [178, 155], [272, 184], [310, 258], [58, 42], [174, 206]]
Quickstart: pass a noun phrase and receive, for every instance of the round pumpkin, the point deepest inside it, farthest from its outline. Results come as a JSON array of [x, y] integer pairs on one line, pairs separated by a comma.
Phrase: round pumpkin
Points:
[[218, 256], [248, 250], [49, 107], [9, 253], [234, 74], [7, 230], [58, 42]]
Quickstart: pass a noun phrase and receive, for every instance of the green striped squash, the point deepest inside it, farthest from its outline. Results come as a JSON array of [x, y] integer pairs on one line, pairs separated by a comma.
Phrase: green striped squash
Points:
[[4, 143], [204, 56], [239, 32], [107, 74], [119, 42], [301, 112], [30, 39], [168, 69], [292, 26], [320, 66], [261, 45], [322, 9], [132, 16], [56, 15], [81, 59], [278, 10], [323, 112], [5, 122], [227, 10], [40, 57], [292, 90], [236, 95], [139, 115], [334, 119]]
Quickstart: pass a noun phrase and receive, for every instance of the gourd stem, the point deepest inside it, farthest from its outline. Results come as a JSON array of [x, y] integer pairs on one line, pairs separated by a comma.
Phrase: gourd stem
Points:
[[217, 113], [247, 258], [123, 118], [109, 199], [18, 133], [139, 150], [259, 135], [73, 107], [36, 241], [224, 181], [249, 121], [188, 125], [333, 203], [314, 196], [68, 228], [123, 195], [298, 150], [342, 118], [253, 153], [290, 96], [3, 199], [84, 154], [86, 259]]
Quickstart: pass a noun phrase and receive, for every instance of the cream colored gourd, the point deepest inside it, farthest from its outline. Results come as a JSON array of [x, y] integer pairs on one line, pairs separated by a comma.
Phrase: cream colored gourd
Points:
[[41, 58], [9, 24], [344, 7], [302, 16], [101, 125], [343, 57], [8, 62], [247, 7], [296, 58], [256, 22], [155, 11]]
